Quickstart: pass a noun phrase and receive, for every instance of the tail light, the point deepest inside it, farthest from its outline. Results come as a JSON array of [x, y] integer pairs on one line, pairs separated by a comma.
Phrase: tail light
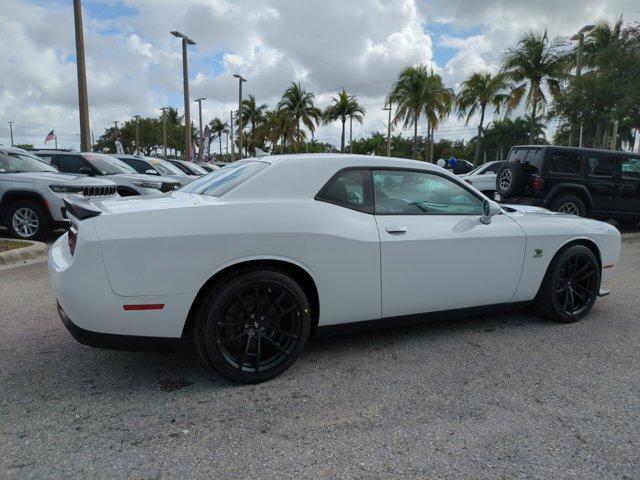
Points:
[[537, 183], [72, 238]]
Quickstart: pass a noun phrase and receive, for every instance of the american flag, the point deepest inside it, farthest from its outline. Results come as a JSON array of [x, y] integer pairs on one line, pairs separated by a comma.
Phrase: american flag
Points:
[[50, 136]]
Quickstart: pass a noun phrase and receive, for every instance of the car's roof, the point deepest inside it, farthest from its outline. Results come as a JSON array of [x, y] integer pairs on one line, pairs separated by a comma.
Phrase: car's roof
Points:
[[582, 149], [7, 149], [348, 160]]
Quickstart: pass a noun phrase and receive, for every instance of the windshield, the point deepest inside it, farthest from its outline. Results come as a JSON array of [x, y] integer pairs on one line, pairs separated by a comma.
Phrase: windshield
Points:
[[17, 162], [197, 169], [217, 183], [108, 165], [164, 167]]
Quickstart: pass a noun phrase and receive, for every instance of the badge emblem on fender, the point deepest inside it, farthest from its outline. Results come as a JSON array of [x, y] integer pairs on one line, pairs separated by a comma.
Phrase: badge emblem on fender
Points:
[[538, 252]]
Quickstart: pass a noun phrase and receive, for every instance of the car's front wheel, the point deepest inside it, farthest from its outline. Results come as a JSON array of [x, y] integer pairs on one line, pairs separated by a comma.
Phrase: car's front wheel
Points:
[[252, 325], [570, 286], [27, 220]]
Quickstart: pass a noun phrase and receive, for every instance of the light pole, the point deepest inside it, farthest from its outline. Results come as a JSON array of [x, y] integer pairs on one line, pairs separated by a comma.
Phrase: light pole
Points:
[[241, 80], [579, 37], [11, 130], [83, 102], [388, 131], [137, 151], [164, 130], [199, 102], [233, 149], [185, 81], [350, 131]]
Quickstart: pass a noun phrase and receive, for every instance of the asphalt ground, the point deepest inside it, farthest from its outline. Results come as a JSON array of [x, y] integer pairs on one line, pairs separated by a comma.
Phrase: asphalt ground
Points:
[[498, 396]]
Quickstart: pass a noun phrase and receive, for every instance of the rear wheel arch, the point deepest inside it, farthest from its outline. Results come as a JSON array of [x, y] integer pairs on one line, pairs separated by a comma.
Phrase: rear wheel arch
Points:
[[300, 275], [579, 191]]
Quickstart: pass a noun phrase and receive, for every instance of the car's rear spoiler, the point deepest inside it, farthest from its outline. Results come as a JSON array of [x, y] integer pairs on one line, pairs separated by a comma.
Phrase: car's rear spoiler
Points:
[[80, 207]]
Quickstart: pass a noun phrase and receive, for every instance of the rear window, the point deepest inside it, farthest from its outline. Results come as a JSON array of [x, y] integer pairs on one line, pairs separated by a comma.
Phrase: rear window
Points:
[[216, 184], [531, 158], [566, 162]]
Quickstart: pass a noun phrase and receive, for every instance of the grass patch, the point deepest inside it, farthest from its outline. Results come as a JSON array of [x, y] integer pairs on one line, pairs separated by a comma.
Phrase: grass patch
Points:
[[6, 245]]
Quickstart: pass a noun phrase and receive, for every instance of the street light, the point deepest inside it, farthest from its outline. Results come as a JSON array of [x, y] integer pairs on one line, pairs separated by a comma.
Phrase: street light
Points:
[[11, 129], [199, 102], [185, 80], [137, 117], [164, 130], [579, 37], [241, 80], [388, 131]]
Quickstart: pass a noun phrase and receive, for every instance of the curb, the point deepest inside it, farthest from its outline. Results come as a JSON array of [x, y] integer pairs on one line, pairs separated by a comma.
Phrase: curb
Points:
[[32, 251]]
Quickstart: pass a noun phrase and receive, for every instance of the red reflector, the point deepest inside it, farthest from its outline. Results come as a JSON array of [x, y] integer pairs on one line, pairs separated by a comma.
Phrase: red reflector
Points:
[[72, 238], [607, 266], [148, 306], [537, 183]]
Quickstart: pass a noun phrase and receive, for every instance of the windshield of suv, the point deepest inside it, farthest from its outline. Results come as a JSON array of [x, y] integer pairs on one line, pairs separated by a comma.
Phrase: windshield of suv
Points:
[[17, 162], [216, 184], [107, 165], [164, 167]]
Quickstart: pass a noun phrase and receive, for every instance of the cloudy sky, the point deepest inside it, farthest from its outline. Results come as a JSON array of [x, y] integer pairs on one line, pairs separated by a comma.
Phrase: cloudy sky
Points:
[[134, 64]]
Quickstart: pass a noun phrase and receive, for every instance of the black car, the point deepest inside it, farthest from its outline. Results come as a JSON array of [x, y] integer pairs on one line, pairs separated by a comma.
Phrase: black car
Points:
[[601, 184]]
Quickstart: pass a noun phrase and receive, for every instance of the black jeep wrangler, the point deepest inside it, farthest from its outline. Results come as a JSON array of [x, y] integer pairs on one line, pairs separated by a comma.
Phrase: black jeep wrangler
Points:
[[603, 184]]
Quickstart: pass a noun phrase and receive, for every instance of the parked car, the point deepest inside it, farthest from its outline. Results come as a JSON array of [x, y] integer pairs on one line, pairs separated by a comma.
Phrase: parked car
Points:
[[156, 166], [460, 167], [209, 167], [602, 184], [128, 181], [189, 168], [282, 244], [484, 177], [32, 193]]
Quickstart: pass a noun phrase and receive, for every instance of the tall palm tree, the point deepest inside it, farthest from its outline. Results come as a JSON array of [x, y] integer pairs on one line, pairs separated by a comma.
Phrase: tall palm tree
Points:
[[253, 114], [407, 94], [218, 127], [299, 105], [598, 42], [438, 102], [343, 106], [478, 92], [535, 62]]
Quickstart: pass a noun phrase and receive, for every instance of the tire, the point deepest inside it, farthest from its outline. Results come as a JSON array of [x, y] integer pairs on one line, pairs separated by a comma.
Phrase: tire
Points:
[[510, 179], [559, 288], [27, 220], [249, 341], [568, 203]]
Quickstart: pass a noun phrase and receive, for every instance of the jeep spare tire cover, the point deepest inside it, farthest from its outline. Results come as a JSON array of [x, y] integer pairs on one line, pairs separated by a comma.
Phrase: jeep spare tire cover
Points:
[[510, 179]]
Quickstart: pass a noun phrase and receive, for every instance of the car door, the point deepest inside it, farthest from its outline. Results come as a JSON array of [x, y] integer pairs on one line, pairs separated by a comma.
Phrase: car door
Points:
[[601, 181], [435, 253], [628, 197]]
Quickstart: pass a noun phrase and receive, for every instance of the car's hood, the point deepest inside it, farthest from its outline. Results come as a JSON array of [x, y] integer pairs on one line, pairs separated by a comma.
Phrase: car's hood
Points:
[[55, 178], [141, 177], [528, 209], [152, 202], [183, 179]]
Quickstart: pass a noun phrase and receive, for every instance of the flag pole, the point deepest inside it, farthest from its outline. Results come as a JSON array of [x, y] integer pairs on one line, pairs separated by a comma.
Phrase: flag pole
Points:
[[55, 137]]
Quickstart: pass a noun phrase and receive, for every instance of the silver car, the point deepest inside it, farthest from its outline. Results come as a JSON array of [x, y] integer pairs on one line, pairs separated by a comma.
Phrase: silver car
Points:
[[156, 166], [32, 193]]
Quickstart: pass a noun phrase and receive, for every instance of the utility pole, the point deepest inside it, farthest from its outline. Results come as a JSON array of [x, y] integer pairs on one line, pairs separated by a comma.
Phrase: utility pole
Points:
[[137, 151], [580, 38], [83, 101], [164, 131], [185, 81], [199, 102], [11, 130], [350, 131], [233, 150], [388, 131], [241, 80]]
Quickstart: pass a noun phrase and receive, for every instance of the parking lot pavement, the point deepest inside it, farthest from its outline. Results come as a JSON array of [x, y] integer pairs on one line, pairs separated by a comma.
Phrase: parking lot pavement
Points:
[[493, 397]]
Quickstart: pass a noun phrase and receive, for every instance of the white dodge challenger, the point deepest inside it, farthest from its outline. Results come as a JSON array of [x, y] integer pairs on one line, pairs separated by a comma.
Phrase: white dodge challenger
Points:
[[249, 259]]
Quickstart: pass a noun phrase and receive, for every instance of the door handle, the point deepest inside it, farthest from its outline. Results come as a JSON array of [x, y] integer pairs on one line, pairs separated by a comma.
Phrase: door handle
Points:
[[396, 229]]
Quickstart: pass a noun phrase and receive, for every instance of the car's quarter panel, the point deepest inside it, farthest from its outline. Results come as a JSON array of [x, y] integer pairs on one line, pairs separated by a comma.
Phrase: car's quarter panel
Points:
[[446, 262], [175, 246]]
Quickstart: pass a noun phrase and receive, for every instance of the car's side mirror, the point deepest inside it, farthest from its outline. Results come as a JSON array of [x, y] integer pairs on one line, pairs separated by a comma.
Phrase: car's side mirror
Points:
[[85, 171], [151, 171], [489, 210]]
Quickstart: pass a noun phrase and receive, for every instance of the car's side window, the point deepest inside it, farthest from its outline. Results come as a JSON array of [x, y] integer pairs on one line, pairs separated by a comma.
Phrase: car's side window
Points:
[[350, 189], [407, 192], [631, 167], [566, 162], [69, 163], [601, 165], [138, 165]]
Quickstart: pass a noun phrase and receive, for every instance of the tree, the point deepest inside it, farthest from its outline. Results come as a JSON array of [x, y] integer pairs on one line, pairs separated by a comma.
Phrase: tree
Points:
[[254, 115], [218, 128], [478, 92], [343, 106], [534, 63], [299, 104], [438, 102]]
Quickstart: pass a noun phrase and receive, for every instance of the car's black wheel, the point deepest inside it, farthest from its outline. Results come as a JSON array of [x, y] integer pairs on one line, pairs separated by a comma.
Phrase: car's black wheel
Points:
[[571, 204], [27, 220], [253, 325], [570, 286], [510, 179]]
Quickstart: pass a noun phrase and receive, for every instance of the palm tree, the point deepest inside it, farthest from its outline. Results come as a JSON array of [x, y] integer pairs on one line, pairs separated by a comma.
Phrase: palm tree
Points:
[[438, 103], [253, 114], [218, 127], [343, 106], [299, 105], [535, 62], [478, 92], [599, 41]]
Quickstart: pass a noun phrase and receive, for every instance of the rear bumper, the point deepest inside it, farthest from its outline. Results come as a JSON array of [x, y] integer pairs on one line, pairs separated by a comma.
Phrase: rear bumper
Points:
[[116, 342]]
